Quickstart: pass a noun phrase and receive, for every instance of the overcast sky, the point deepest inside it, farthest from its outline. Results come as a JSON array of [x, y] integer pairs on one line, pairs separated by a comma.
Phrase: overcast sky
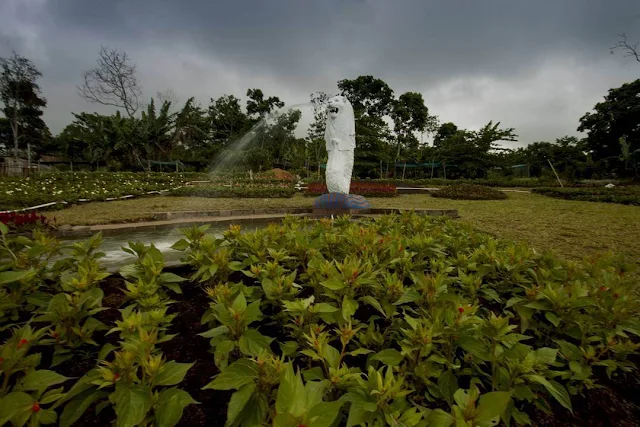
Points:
[[537, 66]]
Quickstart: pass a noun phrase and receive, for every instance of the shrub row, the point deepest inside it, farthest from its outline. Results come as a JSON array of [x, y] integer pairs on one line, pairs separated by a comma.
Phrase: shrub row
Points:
[[366, 189], [469, 192], [622, 195], [234, 192]]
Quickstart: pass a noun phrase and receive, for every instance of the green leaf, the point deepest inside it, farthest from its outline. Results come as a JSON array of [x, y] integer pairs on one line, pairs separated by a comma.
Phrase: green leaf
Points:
[[389, 357], [239, 304], [46, 416], [447, 384], [41, 380], [492, 405], [7, 277], [253, 312], [324, 414], [171, 404], [165, 278], [172, 373], [238, 401], [180, 245], [288, 348], [13, 404], [132, 404], [410, 295], [324, 307], [551, 317], [221, 353], [546, 355], [555, 389], [334, 283], [75, 408], [368, 299], [239, 373], [474, 346], [52, 395], [252, 342], [331, 355], [105, 351], [349, 307], [539, 305], [439, 418], [291, 397], [313, 374], [215, 332]]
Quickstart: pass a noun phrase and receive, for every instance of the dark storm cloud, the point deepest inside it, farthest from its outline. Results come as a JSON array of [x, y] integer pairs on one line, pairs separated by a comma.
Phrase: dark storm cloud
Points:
[[536, 66]]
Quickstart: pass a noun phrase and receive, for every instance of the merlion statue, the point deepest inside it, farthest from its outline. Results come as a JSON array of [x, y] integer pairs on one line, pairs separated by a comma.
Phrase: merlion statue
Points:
[[340, 138]]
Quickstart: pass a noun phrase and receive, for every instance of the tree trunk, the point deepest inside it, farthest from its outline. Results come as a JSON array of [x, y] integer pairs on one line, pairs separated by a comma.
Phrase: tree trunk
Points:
[[14, 130]]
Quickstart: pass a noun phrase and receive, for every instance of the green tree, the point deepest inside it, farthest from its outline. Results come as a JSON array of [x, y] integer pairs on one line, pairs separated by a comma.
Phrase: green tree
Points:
[[618, 116], [411, 116], [372, 99], [316, 153], [227, 119], [444, 132], [22, 101], [368, 96], [258, 106]]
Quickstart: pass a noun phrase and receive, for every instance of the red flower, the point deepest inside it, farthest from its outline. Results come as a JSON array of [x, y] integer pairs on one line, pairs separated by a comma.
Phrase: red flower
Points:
[[460, 309], [35, 407], [22, 343], [1, 359], [603, 288], [116, 377], [616, 295]]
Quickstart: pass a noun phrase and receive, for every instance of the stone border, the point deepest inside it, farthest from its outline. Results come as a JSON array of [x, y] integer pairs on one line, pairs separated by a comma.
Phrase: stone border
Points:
[[169, 220]]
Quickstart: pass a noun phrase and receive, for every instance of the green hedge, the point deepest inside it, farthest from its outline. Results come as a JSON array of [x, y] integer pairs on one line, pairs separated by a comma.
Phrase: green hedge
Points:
[[235, 192], [621, 195], [469, 192]]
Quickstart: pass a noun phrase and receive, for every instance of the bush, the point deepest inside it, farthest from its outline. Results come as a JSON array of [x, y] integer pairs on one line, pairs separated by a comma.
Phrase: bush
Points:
[[405, 318], [365, 189], [623, 195], [505, 182], [234, 192], [469, 192]]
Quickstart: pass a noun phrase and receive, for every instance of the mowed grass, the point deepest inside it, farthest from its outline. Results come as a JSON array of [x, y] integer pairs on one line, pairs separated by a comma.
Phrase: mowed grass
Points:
[[572, 229]]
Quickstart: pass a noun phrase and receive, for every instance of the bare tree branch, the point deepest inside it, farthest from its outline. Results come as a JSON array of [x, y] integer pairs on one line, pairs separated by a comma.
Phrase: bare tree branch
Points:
[[113, 82], [630, 50]]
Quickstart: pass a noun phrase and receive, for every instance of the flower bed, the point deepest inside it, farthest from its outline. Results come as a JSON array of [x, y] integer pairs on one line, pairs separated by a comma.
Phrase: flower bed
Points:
[[366, 189], [19, 193], [623, 195], [20, 222], [407, 318]]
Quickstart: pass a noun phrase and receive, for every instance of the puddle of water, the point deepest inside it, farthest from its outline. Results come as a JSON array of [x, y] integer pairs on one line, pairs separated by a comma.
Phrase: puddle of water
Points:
[[115, 257]]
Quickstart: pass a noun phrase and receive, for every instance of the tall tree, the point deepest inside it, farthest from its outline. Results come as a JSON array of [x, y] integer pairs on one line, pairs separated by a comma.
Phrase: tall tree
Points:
[[368, 95], [445, 131], [113, 82], [372, 99], [22, 100], [259, 106], [618, 116], [410, 116], [228, 121]]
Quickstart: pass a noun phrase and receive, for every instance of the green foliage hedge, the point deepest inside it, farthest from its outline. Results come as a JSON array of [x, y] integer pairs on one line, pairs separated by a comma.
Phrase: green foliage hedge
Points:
[[506, 183], [623, 195], [469, 192], [234, 192]]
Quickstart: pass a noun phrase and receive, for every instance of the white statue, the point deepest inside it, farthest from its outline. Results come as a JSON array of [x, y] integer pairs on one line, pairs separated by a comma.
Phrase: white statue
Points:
[[340, 138]]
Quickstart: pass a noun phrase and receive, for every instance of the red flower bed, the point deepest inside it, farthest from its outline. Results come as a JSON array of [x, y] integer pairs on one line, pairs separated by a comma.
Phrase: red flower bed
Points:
[[366, 189], [23, 221]]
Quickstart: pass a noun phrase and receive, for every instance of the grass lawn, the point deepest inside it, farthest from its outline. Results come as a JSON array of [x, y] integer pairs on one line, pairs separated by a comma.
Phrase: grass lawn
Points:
[[572, 229]]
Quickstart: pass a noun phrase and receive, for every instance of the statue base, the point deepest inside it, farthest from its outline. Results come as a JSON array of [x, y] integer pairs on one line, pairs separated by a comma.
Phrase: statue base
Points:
[[339, 203]]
